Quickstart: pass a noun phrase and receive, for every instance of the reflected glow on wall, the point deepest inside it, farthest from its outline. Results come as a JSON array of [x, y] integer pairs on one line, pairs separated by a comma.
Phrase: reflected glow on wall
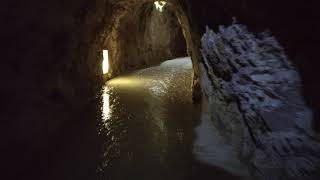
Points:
[[159, 5], [105, 63]]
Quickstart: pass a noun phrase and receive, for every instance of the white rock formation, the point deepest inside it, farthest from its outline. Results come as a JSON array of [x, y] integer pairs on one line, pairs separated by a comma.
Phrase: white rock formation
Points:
[[254, 72]]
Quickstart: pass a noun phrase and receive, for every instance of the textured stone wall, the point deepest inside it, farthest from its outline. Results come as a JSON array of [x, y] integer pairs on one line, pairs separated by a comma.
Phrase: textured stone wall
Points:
[[146, 37], [293, 23], [250, 76], [48, 75], [125, 10]]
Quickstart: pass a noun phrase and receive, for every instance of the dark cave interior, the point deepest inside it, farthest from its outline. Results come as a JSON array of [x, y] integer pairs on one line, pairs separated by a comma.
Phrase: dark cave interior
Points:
[[52, 76]]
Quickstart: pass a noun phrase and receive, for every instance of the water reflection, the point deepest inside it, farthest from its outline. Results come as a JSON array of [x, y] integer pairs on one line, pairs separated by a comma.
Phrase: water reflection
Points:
[[106, 105], [148, 123]]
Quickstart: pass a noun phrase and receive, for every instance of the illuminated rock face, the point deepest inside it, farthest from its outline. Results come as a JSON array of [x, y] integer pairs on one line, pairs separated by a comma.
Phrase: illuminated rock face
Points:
[[253, 72], [298, 33], [147, 37]]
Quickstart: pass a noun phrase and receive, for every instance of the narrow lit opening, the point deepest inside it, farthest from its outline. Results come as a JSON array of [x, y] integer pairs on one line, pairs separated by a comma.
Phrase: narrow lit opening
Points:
[[159, 5], [105, 63]]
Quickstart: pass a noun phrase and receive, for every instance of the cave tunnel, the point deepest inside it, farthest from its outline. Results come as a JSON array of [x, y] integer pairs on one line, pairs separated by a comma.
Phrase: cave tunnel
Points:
[[146, 35], [169, 89]]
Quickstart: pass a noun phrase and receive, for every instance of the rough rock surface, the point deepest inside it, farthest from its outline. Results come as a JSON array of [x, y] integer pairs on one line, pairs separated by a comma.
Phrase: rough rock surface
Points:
[[298, 33], [146, 37], [253, 72]]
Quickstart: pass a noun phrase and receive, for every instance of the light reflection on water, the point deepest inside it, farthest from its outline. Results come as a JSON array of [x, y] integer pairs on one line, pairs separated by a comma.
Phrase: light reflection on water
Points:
[[106, 105]]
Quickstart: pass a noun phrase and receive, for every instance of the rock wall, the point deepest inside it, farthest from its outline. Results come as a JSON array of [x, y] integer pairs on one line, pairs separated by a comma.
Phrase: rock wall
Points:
[[49, 76], [127, 15], [252, 72], [294, 23], [146, 37]]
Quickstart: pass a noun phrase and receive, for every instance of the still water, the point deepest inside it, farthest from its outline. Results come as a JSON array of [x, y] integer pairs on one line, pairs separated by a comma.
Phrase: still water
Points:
[[151, 129]]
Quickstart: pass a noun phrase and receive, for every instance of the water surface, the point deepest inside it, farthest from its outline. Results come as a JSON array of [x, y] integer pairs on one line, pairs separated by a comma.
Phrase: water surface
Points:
[[150, 126]]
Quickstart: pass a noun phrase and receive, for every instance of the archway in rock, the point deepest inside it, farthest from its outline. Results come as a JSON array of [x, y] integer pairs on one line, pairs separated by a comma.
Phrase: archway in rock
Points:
[[141, 35], [146, 36]]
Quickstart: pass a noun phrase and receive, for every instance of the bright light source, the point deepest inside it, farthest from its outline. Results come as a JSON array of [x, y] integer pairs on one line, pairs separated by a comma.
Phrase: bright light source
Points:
[[105, 63], [159, 5]]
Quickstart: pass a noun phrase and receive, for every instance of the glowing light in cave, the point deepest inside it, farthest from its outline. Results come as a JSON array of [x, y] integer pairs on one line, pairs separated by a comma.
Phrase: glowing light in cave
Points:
[[159, 5], [105, 63]]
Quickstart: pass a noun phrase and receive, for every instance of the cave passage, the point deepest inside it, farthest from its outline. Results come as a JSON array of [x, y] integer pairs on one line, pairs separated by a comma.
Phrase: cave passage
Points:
[[148, 126]]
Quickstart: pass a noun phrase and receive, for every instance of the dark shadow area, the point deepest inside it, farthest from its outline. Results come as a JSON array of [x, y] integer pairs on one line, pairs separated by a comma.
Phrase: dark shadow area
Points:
[[203, 171], [74, 152]]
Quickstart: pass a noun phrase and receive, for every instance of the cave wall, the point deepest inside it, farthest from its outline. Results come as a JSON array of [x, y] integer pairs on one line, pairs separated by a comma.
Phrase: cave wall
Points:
[[122, 12], [146, 37], [276, 144], [248, 80], [50, 70], [293, 23]]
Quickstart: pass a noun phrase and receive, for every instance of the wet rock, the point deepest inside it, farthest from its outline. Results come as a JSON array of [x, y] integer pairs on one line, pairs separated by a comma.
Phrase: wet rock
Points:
[[253, 72]]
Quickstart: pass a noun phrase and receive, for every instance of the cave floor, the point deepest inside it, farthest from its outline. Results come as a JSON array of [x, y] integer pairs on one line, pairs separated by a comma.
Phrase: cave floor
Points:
[[150, 129]]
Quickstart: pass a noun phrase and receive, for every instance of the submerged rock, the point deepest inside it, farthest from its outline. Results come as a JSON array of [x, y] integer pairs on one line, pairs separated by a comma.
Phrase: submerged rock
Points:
[[253, 72]]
